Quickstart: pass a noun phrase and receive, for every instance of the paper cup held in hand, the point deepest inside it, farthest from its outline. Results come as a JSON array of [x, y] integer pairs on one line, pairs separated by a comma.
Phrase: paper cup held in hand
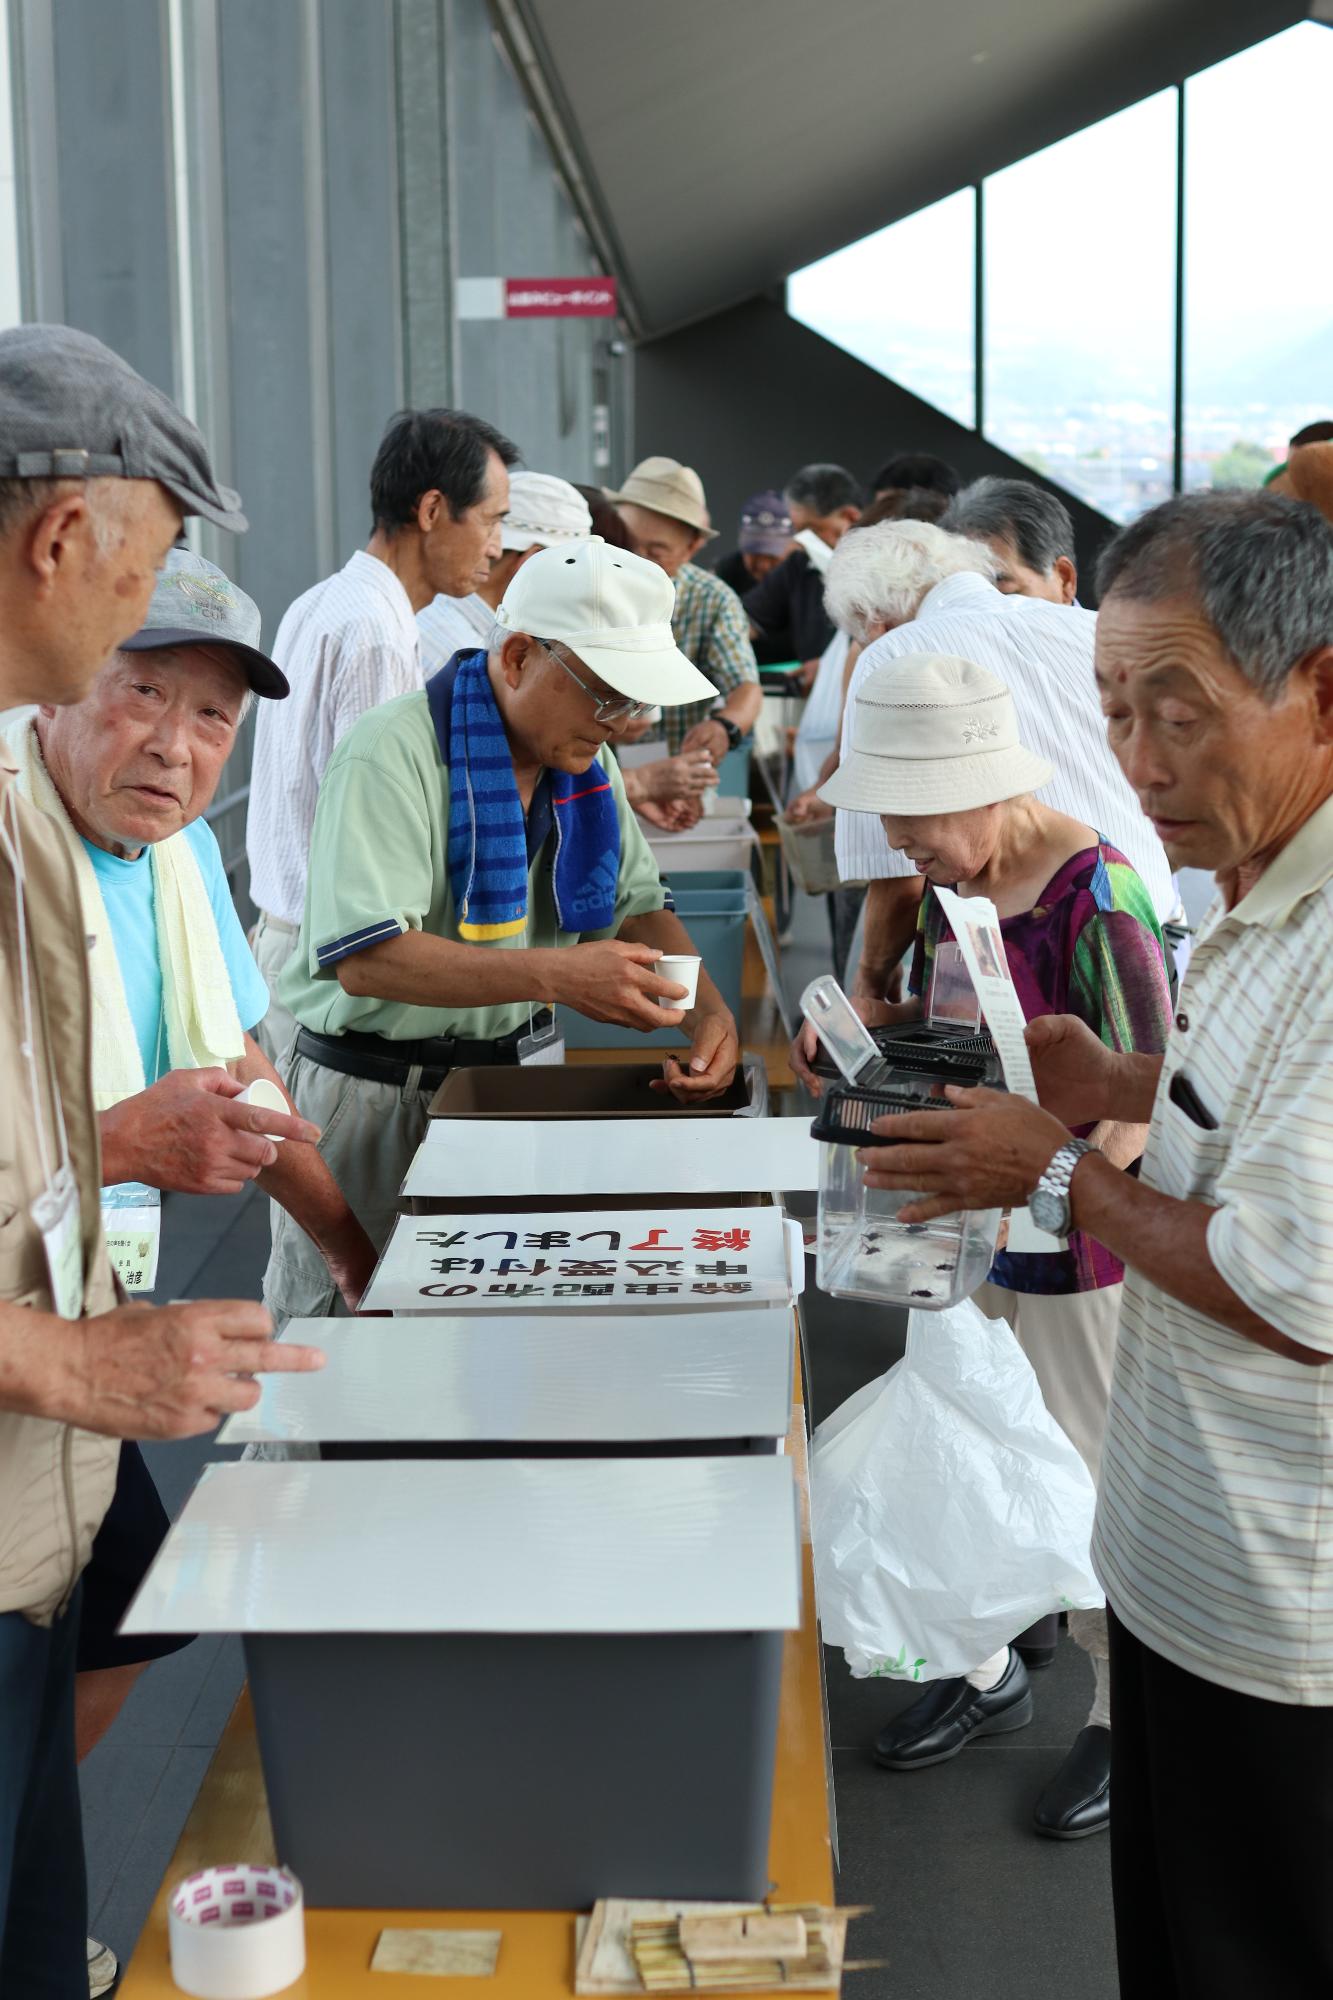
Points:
[[681, 970], [237, 1933], [269, 1098]]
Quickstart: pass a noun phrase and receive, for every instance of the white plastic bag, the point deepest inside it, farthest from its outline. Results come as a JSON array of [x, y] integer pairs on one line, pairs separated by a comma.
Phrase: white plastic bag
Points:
[[948, 1508]]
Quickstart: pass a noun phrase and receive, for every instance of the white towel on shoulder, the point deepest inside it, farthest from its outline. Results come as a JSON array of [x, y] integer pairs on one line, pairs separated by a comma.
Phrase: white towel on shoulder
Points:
[[203, 1029]]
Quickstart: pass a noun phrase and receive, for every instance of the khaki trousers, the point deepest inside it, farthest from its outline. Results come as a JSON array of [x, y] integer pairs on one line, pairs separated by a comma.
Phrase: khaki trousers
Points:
[[1070, 1340], [273, 943], [369, 1138]]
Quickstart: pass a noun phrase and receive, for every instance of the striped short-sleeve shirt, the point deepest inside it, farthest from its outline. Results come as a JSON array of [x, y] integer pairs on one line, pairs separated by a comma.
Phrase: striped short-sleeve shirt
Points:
[[1214, 1537]]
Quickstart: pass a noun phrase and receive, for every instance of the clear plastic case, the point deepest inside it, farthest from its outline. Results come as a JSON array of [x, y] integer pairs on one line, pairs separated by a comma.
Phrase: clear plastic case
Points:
[[864, 1251]]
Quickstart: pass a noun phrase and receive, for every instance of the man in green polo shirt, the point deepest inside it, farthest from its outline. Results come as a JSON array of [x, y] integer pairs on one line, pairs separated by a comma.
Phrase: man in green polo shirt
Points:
[[473, 863]]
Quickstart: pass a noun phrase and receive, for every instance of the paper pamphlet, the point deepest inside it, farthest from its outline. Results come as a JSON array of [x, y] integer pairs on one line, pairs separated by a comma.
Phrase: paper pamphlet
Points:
[[975, 923]]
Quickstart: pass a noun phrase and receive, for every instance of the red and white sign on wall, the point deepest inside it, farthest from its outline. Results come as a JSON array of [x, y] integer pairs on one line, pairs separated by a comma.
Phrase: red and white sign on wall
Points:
[[536, 298]]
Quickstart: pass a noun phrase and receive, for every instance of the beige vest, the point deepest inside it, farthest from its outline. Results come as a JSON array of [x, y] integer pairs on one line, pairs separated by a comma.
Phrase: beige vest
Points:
[[55, 1482]]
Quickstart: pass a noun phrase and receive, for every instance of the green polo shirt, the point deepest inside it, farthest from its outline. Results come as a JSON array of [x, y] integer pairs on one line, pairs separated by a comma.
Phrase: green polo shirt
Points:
[[378, 867]]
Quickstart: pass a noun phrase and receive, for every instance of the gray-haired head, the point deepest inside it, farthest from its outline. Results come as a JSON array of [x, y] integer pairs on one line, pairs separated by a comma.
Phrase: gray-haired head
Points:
[[823, 489], [878, 576], [1258, 566], [1036, 523]]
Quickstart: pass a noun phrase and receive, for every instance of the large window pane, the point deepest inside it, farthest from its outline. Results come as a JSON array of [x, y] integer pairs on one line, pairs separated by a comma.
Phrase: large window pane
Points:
[[1258, 289], [1080, 308], [902, 300]]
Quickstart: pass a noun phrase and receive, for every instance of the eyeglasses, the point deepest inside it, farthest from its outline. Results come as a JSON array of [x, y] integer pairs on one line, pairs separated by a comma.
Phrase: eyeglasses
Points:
[[608, 709]]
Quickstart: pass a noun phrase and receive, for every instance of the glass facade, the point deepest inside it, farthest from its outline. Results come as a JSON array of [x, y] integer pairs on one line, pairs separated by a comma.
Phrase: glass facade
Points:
[[1080, 262], [1192, 223], [902, 301], [1258, 288]]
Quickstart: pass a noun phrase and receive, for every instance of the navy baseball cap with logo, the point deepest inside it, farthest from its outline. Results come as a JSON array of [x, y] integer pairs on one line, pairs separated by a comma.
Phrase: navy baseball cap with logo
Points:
[[196, 604], [72, 409]]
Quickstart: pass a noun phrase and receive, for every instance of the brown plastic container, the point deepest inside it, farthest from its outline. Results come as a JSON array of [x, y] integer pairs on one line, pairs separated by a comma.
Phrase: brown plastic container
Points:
[[554, 1090]]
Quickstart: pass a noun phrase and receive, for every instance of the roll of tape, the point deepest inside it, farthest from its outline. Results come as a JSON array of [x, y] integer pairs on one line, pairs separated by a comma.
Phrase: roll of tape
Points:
[[237, 1933]]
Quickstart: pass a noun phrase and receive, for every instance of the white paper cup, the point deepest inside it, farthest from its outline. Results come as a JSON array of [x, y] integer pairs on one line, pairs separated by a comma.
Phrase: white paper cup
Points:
[[682, 970], [237, 1933], [269, 1098]]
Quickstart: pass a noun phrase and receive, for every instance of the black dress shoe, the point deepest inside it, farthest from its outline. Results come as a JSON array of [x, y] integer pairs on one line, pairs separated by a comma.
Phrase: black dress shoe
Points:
[[1077, 1801], [949, 1714]]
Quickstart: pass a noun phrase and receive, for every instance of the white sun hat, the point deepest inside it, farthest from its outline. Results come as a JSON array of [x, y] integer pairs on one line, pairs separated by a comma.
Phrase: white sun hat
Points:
[[545, 511], [933, 734], [613, 610]]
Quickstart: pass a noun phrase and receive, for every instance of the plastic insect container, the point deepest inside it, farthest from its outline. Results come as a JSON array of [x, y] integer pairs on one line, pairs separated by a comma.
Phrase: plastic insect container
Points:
[[864, 1251]]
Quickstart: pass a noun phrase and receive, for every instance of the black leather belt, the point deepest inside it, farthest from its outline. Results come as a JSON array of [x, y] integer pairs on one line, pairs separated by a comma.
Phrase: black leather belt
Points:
[[380, 1060]]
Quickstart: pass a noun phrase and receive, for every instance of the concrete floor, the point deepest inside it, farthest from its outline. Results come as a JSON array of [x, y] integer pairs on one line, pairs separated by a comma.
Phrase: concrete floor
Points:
[[967, 1901]]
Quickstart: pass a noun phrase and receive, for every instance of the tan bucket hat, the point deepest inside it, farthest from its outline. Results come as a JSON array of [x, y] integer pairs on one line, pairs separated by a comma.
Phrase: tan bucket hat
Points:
[[933, 734], [670, 488]]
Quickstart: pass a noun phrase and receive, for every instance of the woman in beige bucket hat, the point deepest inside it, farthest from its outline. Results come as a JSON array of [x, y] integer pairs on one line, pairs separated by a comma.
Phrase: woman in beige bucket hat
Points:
[[936, 754]]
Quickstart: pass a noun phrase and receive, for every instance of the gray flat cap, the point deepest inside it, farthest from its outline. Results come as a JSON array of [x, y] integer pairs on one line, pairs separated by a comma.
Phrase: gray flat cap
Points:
[[71, 409], [197, 604]]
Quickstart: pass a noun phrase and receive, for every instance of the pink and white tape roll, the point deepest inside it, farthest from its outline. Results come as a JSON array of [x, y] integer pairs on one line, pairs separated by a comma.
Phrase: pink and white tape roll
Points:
[[237, 1933]]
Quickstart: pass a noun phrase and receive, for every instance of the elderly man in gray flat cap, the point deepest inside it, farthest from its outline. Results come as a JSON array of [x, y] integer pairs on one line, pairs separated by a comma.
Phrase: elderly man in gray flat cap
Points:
[[97, 470]]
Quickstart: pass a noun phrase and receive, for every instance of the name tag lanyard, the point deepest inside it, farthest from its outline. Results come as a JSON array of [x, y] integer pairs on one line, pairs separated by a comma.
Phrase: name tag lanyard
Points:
[[56, 1212], [132, 1212]]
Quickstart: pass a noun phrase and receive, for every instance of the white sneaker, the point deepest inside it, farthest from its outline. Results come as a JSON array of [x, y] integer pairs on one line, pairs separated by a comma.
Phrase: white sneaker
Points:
[[103, 1968]]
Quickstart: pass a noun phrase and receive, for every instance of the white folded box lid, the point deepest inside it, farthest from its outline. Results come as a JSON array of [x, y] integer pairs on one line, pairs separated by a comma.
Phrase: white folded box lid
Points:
[[626, 1156], [526, 1546], [532, 1379]]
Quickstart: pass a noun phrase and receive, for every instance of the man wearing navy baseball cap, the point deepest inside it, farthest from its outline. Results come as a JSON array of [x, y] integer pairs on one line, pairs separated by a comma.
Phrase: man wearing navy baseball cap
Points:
[[97, 471]]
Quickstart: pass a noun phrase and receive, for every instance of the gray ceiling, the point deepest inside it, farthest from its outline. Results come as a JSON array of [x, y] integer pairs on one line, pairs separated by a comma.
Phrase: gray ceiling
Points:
[[729, 142]]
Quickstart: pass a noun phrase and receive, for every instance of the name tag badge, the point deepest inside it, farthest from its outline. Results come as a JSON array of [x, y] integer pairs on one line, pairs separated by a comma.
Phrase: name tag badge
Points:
[[133, 1232], [57, 1216], [548, 1048]]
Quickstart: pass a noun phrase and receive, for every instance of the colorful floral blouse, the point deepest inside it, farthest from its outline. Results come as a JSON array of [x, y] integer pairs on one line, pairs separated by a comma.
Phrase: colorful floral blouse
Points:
[[1091, 946]]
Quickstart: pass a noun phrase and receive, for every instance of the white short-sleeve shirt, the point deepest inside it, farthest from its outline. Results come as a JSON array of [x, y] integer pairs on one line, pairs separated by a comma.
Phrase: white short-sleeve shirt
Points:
[[347, 645], [1214, 1537], [1043, 654]]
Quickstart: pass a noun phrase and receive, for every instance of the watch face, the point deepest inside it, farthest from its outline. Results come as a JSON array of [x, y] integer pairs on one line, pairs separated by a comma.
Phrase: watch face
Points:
[[1050, 1211]]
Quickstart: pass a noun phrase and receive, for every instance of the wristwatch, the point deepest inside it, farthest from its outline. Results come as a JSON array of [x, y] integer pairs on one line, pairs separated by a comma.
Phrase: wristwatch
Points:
[[1048, 1204], [733, 733]]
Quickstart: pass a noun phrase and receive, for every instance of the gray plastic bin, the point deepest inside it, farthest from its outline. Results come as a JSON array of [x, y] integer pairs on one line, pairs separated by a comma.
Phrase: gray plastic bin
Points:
[[502, 1684]]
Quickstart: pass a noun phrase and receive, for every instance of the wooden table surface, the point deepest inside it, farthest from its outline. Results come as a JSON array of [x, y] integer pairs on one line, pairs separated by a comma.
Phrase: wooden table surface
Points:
[[229, 1822]]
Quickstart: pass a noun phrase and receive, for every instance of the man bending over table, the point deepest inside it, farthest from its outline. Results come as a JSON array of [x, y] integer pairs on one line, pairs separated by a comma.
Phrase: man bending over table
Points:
[[474, 862]]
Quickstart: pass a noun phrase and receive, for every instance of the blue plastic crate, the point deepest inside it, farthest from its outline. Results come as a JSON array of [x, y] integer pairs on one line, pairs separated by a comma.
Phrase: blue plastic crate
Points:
[[712, 905]]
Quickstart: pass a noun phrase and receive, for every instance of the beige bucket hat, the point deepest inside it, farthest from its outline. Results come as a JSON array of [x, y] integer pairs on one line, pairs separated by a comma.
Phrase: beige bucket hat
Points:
[[670, 488], [933, 734]]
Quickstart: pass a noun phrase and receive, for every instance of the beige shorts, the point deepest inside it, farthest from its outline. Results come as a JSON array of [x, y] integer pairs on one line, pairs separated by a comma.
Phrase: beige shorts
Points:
[[1070, 1340]]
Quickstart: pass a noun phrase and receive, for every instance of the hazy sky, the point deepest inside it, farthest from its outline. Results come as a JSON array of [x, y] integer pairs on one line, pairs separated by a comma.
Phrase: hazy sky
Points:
[[1081, 237]]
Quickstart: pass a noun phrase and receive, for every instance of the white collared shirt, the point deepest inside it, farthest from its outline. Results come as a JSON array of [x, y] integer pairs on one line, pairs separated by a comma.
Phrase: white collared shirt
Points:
[[1043, 654], [1214, 1535], [347, 645], [448, 625]]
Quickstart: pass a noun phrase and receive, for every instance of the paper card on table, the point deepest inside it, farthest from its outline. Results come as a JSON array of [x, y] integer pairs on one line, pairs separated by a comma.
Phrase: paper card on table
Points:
[[577, 1157], [621, 1261], [975, 924], [447, 1954]]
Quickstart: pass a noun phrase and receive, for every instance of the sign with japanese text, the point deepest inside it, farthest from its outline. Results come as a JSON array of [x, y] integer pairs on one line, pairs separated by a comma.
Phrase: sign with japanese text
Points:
[[536, 298], [622, 1261], [560, 298]]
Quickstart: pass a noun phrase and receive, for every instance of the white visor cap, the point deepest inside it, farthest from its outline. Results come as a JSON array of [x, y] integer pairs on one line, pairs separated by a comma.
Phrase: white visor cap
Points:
[[614, 610]]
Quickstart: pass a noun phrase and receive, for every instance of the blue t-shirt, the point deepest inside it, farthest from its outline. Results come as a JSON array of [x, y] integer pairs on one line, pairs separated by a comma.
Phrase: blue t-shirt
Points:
[[127, 891]]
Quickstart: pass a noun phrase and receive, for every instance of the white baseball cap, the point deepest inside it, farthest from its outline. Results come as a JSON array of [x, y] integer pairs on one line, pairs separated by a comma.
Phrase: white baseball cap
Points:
[[614, 610], [933, 734], [543, 510]]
